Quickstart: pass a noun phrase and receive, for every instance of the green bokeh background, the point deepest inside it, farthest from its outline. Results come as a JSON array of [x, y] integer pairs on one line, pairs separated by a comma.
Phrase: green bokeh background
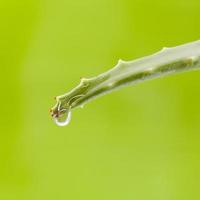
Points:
[[142, 142]]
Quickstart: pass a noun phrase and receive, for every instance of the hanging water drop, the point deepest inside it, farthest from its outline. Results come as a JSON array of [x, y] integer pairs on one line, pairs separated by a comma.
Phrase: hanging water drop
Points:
[[64, 120]]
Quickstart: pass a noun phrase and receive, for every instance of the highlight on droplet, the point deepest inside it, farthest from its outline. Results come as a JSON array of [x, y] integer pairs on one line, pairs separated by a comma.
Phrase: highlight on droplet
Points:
[[64, 120]]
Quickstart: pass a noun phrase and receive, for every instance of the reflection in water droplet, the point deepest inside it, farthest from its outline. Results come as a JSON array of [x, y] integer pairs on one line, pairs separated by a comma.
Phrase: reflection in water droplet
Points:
[[63, 122]]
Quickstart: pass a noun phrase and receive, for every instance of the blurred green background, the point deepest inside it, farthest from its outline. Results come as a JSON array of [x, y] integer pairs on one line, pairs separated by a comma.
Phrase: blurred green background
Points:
[[142, 142]]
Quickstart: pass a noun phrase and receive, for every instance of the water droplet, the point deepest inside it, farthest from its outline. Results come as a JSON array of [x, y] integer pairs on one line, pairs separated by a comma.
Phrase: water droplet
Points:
[[64, 120]]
